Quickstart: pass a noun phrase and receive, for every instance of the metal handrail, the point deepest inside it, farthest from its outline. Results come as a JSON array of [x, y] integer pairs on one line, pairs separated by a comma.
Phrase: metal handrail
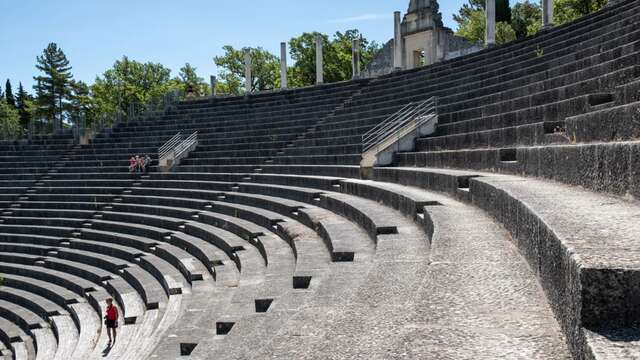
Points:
[[170, 145], [186, 144], [414, 114]]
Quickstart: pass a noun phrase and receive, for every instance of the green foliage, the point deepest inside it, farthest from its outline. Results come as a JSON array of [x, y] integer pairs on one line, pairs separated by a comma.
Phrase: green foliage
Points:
[[504, 33], [189, 78], [526, 18], [53, 87], [471, 24], [130, 82], [264, 70], [9, 121], [568, 10], [24, 105], [8, 94], [303, 53], [82, 103], [336, 55]]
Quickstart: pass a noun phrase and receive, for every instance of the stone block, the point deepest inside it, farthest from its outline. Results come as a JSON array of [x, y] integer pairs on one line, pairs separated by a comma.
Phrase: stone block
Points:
[[634, 170]]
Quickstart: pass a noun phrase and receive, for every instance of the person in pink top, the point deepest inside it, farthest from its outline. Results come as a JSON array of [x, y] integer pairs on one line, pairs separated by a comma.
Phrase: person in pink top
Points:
[[132, 164]]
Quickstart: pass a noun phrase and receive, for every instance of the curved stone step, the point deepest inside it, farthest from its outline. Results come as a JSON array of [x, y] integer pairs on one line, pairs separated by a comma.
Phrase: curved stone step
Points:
[[14, 338], [64, 324], [47, 344]]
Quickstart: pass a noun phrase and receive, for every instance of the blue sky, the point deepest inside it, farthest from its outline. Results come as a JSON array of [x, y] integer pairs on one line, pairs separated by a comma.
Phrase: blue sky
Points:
[[94, 33]]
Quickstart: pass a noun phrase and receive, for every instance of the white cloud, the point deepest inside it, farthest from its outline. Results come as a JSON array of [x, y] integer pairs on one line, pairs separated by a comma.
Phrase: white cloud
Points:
[[359, 18]]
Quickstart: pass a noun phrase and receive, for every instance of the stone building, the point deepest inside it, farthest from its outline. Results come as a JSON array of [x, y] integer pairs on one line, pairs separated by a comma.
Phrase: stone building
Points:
[[420, 39]]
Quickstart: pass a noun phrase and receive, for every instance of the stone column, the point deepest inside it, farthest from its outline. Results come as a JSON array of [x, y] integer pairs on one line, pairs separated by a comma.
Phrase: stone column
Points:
[[214, 82], [445, 46], [319, 60], [247, 70], [547, 13], [397, 41], [490, 34], [355, 58], [283, 65], [431, 52]]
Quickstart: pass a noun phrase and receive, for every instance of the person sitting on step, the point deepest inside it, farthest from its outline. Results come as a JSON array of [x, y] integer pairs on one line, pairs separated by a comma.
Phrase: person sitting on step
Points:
[[139, 163], [146, 163], [132, 164]]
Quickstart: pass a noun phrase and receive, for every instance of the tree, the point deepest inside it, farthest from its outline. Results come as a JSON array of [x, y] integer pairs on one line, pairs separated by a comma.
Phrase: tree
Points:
[[569, 10], [130, 83], [24, 105], [526, 18], [336, 54], [303, 53], [53, 88], [504, 33], [471, 24], [510, 25], [264, 70], [82, 103], [503, 11], [8, 93], [189, 78], [9, 121]]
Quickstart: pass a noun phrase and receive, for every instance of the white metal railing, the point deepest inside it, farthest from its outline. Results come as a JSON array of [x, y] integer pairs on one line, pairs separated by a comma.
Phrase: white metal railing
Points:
[[407, 119], [175, 149], [171, 144], [186, 145]]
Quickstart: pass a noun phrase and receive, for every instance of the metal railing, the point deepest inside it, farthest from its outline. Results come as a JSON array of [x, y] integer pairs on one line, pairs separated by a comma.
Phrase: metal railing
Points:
[[175, 149], [169, 146], [409, 118], [186, 144]]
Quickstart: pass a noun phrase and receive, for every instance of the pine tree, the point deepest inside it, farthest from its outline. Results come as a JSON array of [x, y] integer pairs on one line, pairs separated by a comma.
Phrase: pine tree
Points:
[[8, 94], [53, 89], [23, 104]]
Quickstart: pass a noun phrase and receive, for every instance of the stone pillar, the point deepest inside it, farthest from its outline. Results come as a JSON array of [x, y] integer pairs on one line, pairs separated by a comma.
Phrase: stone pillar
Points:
[[355, 58], [431, 51], [397, 41], [214, 83], [547, 14], [247, 70], [319, 60], [490, 34], [445, 46], [283, 65]]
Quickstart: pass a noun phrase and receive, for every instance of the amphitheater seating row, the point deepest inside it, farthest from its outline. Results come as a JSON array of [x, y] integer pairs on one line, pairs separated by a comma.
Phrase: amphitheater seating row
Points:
[[266, 242]]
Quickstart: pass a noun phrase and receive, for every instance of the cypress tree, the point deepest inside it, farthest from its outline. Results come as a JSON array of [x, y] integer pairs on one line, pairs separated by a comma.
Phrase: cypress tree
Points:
[[503, 11], [8, 94], [53, 87], [23, 100]]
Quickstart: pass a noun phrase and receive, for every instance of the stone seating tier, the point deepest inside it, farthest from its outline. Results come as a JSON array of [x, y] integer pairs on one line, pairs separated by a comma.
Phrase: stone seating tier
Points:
[[268, 241]]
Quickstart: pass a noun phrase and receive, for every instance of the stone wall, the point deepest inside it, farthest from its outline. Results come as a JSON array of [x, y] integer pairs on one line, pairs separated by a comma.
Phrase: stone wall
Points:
[[382, 63]]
